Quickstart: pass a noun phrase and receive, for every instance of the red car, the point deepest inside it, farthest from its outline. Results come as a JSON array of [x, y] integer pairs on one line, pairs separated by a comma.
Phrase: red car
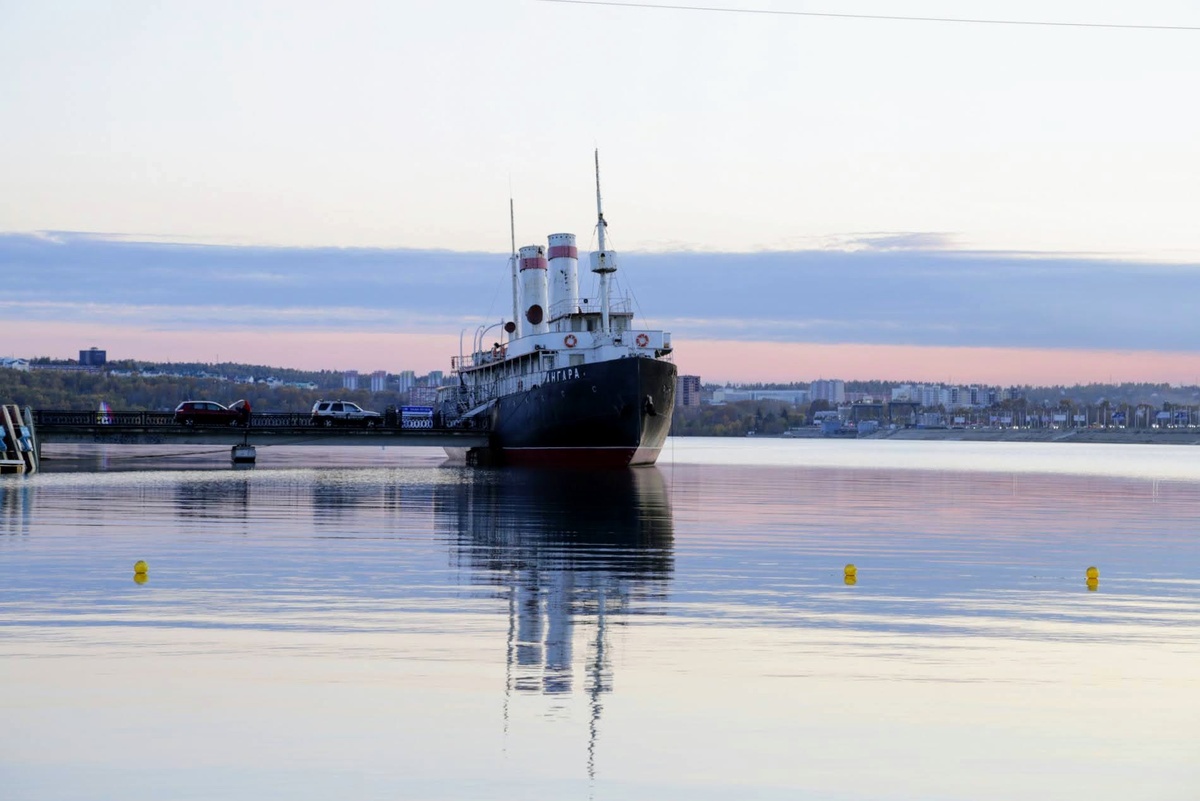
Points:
[[212, 413]]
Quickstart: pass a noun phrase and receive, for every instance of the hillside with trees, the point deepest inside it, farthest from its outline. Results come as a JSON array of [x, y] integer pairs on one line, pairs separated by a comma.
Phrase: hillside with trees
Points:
[[84, 390], [737, 419]]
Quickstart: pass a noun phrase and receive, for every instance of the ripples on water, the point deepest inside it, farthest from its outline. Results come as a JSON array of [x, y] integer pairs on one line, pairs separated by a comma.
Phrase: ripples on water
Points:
[[396, 628]]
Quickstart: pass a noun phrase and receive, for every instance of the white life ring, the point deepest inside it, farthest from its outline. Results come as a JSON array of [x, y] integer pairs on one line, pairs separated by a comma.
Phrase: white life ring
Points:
[[570, 341], [642, 340]]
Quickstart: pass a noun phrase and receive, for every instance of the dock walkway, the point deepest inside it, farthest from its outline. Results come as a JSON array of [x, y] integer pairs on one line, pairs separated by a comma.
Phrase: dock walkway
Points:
[[160, 428]]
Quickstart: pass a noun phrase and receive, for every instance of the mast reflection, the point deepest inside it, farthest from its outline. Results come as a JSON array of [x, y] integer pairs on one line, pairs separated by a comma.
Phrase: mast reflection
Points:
[[573, 551]]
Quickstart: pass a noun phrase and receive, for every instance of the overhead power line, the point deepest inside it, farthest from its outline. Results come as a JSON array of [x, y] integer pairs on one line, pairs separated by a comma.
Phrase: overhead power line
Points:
[[887, 17]]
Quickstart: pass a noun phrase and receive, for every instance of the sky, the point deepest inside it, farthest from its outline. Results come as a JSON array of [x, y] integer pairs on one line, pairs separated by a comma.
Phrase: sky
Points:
[[795, 197]]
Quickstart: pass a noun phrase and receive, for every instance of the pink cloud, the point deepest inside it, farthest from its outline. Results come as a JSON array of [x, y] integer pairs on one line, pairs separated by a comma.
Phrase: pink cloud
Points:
[[718, 361], [317, 350], [713, 360]]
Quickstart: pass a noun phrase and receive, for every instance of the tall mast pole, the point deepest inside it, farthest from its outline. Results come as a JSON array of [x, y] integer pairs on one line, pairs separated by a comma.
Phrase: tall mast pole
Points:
[[604, 265], [512, 261]]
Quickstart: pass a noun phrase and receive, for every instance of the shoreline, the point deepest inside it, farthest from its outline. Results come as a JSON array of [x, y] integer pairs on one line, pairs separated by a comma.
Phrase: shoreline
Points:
[[1118, 436]]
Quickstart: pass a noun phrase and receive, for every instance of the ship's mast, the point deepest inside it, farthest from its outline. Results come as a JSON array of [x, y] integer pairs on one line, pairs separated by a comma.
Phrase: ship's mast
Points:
[[512, 262], [603, 263]]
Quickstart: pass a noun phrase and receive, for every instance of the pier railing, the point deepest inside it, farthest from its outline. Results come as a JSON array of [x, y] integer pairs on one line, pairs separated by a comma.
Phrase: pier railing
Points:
[[56, 426], [75, 418], [54, 417]]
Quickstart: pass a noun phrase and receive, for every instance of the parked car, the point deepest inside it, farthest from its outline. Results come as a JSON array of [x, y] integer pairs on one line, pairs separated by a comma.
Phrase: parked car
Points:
[[212, 413], [344, 413]]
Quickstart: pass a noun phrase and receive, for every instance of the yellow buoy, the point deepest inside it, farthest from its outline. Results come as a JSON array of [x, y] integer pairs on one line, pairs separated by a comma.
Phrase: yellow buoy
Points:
[[1093, 573], [140, 568], [140, 578], [851, 570]]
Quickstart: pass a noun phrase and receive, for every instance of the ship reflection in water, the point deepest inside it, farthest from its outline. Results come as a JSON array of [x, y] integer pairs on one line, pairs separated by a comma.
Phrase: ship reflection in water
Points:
[[573, 552]]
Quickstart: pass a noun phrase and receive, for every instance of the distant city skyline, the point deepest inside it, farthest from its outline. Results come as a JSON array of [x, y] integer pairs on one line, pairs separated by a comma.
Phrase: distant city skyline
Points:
[[713, 359], [831, 389]]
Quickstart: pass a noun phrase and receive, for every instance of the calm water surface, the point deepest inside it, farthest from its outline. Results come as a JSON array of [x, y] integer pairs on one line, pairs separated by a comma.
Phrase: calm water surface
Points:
[[393, 628]]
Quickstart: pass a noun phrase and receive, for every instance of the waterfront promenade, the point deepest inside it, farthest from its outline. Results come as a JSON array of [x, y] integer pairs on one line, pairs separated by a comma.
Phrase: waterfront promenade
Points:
[[1133, 436], [1130, 436]]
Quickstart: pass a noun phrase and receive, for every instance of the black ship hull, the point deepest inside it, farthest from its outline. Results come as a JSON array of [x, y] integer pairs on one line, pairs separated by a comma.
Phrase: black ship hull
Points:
[[606, 414]]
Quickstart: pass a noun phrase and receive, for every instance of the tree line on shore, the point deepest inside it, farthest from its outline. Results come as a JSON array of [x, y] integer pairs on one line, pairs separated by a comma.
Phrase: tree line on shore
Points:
[[82, 391], [739, 418]]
